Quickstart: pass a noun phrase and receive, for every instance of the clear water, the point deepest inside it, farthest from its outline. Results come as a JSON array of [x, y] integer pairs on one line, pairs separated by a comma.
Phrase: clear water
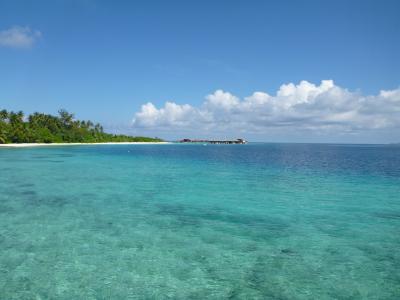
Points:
[[256, 221]]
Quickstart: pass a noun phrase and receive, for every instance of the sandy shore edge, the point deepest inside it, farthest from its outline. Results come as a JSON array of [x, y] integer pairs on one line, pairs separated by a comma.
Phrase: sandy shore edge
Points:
[[21, 145]]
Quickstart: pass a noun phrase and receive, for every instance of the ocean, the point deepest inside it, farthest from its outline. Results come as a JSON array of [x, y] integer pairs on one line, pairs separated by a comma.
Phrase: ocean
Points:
[[255, 221]]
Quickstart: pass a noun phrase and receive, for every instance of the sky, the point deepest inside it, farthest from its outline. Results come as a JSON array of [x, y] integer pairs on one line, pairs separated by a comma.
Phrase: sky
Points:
[[274, 71]]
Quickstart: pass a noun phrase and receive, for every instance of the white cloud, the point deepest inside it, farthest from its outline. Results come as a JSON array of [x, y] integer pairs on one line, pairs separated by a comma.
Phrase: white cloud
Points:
[[303, 107], [221, 100], [171, 115], [19, 37]]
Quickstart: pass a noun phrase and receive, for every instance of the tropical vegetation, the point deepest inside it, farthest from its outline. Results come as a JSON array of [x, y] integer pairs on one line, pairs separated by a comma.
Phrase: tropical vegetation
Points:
[[64, 128]]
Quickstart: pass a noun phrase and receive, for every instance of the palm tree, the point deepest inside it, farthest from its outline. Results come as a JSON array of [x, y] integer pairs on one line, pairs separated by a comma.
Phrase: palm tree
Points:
[[89, 124], [3, 126], [3, 115], [66, 117]]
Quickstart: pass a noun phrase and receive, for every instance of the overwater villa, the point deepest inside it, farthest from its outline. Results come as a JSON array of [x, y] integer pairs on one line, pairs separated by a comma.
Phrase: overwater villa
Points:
[[237, 141]]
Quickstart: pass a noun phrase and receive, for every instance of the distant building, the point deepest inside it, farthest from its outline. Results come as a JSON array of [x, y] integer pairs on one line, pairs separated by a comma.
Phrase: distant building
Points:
[[237, 141]]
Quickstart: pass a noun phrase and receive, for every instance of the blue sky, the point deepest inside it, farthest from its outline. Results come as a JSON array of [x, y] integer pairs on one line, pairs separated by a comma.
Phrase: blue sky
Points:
[[103, 60]]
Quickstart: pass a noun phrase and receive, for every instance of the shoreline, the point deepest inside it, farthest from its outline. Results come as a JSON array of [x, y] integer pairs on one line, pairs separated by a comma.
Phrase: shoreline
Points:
[[23, 145]]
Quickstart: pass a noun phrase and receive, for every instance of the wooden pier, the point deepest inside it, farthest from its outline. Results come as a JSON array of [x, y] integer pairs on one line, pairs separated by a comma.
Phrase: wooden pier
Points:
[[237, 141]]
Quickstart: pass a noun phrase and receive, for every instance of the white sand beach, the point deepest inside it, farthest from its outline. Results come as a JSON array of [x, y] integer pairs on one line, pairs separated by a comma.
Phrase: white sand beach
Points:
[[21, 145]]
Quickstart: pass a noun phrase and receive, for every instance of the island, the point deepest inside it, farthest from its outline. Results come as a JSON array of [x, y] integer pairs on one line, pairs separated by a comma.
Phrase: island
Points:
[[40, 128]]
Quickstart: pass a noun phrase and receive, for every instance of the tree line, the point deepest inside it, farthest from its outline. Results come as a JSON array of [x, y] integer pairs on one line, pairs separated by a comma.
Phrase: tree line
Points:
[[63, 128]]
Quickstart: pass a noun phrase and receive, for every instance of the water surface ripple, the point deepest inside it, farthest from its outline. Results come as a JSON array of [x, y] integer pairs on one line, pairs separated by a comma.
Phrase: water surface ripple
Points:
[[256, 221]]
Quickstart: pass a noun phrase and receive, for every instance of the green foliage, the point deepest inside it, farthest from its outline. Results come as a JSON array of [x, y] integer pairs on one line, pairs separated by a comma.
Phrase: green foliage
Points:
[[43, 128]]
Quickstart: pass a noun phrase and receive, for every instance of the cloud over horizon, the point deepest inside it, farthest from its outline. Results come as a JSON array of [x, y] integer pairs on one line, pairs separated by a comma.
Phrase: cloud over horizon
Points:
[[19, 37], [304, 107]]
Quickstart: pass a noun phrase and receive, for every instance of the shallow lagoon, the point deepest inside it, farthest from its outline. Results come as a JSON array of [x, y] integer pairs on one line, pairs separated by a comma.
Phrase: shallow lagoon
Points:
[[256, 221]]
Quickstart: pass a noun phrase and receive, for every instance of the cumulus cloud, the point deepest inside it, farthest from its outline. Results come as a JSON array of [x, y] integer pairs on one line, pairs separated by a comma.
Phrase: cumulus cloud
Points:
[[19, 37], [302, 107]]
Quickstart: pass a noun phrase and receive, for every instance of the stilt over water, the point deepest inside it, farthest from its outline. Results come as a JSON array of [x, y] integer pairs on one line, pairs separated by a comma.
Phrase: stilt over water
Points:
[[237, 141]]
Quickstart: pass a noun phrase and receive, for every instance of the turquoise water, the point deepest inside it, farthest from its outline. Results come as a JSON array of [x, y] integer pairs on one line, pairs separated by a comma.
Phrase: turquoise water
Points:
[[256, 221]]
